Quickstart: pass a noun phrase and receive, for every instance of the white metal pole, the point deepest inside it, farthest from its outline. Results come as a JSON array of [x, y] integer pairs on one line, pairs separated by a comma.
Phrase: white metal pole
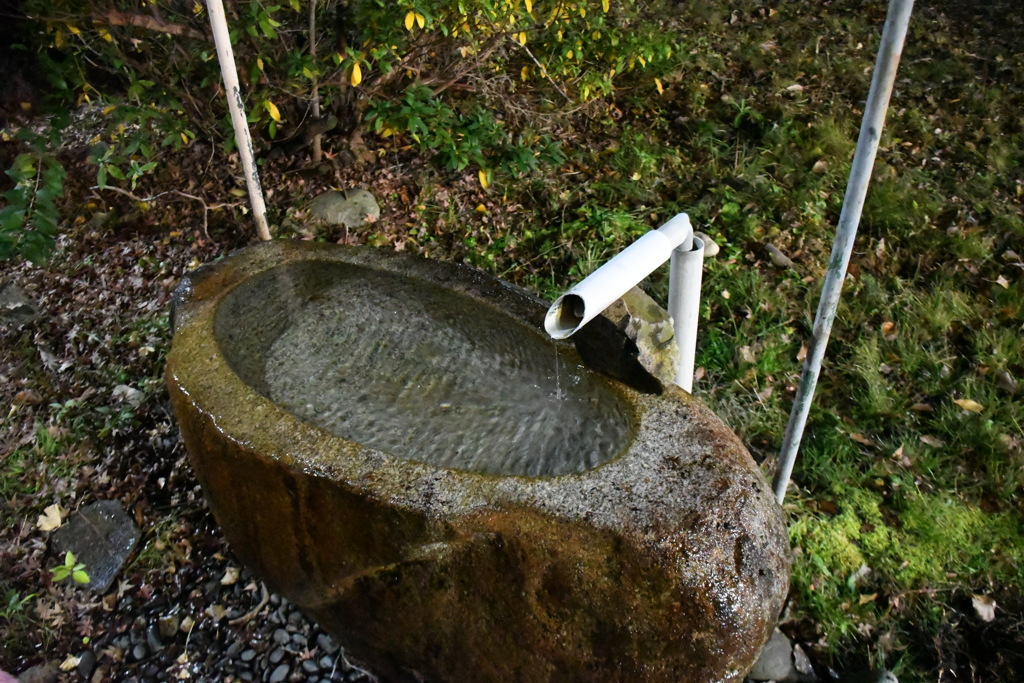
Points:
[[226, 57], [893, 35]]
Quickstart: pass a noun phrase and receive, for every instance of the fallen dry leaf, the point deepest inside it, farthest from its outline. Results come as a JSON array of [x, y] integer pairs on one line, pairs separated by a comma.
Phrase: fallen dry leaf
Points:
[[70, 663], [865, 599], [802, 353], [50, 519], [861, 439], [921, 408], [746, 355], [969, 405], [984, 606], [932, 441], [230, 576], [216, 612], [1003, 282], [889, 331]]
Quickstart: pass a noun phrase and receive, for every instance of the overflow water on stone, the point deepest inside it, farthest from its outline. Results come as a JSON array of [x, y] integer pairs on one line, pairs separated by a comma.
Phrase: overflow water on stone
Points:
[[429, 375]]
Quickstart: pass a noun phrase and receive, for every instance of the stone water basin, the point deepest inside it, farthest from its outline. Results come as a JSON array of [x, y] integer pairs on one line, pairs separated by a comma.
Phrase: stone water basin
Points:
[[394, 445]]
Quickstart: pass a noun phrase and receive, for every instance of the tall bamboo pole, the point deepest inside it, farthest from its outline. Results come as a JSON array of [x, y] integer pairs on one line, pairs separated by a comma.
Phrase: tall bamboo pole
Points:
[[893, 35], [226, 57]]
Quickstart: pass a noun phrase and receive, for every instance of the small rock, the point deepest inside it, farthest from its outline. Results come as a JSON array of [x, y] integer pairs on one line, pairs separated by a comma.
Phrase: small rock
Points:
[[130, 395], [310, 666], [16, 308], [276, 655], [281, 637], [777, 257], [349, 208], [86, 663], [248, 655], [711, 247], [802, 663], [40, 673], [279, 674], [139, 652], [168, 626], [776, 660], [327, 643], [153, 638]]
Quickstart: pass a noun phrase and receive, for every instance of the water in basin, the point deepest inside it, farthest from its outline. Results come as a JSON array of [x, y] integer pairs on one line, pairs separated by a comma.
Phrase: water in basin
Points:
[[419, 371]]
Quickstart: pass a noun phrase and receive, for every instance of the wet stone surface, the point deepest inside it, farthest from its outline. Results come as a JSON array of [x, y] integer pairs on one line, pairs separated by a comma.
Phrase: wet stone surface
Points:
[[667, 563], [101, 536]]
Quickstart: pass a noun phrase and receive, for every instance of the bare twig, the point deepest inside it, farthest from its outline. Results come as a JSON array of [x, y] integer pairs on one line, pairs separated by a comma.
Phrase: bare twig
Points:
[[206, 207], [148, 22], [543, 69], [248, 616]]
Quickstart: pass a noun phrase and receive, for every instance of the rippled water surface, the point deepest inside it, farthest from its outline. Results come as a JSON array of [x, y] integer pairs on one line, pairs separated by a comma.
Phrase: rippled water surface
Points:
[[434, 376]]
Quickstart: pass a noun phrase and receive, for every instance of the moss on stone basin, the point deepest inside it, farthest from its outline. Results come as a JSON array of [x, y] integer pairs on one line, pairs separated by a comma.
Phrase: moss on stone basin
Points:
[[653, 552]]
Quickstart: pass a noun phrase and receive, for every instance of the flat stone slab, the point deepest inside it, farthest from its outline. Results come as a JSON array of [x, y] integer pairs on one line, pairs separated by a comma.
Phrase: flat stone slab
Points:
[[102, 536]]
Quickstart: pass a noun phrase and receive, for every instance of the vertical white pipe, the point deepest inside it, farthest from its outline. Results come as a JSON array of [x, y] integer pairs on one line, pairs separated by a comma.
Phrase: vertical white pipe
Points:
[[226, 57], [685, 273], [882, 80]]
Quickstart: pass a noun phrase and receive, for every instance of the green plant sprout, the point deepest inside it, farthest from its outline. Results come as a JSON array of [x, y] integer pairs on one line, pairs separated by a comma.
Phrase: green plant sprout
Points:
[[76, 570]]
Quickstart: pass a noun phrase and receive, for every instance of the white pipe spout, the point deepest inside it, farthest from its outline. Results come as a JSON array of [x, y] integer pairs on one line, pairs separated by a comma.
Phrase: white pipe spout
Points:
[[610, 282], [600, 289]]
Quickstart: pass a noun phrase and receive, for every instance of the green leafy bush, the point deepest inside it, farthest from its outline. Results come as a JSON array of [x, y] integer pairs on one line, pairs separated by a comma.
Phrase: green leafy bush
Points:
[[28, 223]]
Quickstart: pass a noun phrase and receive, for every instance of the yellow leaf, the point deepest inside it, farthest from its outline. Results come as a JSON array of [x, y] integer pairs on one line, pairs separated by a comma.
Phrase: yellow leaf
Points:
[[105, 34], [481, 208], [108, 109], [74, 29], [410, 19], [357, 75], [70, 663], [421, 20], [273, 110], [50, 519], [58, 39], [605, 5], [522, 38], [969, 405], [643, 62], [659, 86], [525, 73], [485, 182], [184, 138], [529, 6], [259, 63]]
